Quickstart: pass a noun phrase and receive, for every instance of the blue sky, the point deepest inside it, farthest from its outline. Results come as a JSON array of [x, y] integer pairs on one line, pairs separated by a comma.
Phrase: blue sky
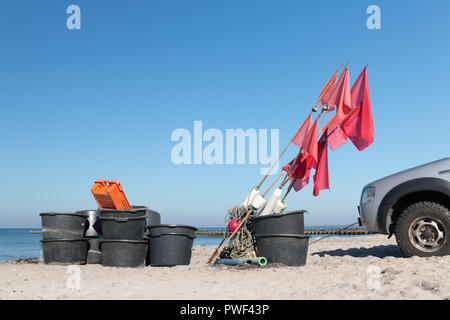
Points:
[[102, 102]]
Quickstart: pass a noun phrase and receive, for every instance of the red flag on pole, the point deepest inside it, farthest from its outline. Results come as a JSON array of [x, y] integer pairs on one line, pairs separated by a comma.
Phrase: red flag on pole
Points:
[[359, 126], [343, 99], [310, 144], [301, 170], [328, 94], [321, 177], [344, 106], [301, 133], [337, 138]]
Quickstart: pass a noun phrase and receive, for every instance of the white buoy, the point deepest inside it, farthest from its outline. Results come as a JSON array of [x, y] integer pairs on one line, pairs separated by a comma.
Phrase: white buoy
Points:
[[280, 206], [248, 200], [258, 201], [272, 202]]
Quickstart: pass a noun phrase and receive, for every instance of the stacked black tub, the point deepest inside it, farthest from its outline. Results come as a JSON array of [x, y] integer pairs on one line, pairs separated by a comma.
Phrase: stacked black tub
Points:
[[63, 239], [92, 234], [170, 244], [281, 238], [123, 243], [153, 219]]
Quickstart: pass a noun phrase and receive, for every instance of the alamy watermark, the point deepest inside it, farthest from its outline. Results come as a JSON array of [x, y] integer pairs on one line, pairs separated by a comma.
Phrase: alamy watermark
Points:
[[236, 146], [74, 20], [374, 279], [74, 279], [374, 20]]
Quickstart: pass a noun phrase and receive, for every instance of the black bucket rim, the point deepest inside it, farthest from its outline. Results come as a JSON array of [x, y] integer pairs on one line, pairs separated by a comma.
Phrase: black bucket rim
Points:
[[171, 226], [133, 209], [122, 218], [282, 235], [62, 214], [171, 234], [64, 240], [138, 207], [123, 241], [278, 215]]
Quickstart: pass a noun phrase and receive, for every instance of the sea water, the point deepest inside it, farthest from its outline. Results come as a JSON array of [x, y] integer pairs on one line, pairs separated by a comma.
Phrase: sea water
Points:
[[21, 244]]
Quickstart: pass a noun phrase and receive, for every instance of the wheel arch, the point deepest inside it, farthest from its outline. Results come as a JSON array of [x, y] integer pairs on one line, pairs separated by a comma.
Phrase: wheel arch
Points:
[[404, 194]]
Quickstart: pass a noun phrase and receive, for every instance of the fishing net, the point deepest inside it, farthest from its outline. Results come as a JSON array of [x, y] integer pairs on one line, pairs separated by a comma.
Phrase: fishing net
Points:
[[241, 246]]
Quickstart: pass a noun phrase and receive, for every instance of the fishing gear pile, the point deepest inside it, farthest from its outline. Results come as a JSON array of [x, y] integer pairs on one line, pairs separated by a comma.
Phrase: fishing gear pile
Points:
[[352, 120]]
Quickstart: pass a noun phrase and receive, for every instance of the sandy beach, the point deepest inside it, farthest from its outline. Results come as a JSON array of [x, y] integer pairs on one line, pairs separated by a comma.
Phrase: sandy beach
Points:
[[369, 267]]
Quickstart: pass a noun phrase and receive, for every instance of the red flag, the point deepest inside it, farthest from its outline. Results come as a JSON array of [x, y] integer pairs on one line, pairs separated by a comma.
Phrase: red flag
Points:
[[328, 93], [344, 106], [359, 126], [300, 135], [301, 170], [300, 184], [321, 177], [337, 138], [343, 99], [310, 144]]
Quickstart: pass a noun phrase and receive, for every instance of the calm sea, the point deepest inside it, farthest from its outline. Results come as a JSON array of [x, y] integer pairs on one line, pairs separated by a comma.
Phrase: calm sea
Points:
[[21, 244]]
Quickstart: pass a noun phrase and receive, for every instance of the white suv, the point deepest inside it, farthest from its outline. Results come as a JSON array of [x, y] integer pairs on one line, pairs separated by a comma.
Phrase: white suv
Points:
[[413, 205]]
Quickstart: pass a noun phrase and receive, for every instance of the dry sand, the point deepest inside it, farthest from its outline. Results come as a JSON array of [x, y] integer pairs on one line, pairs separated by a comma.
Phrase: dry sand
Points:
[[369, 267]]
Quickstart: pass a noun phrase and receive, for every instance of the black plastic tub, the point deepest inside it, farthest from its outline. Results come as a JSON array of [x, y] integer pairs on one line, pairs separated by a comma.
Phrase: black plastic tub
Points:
[[153, 218], [170, 245], [63, 226], [65, 251], [123, 253], [147, 257], [288, 249], [94, 255], [123, 224], [94, 225], [285, 223]]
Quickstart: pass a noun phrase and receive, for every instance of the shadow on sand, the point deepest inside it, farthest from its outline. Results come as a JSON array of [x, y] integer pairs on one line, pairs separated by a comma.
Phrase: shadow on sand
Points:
[[377, 251]]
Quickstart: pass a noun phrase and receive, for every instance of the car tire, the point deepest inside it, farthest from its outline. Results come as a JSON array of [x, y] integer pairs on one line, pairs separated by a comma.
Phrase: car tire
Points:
[[423, 229]]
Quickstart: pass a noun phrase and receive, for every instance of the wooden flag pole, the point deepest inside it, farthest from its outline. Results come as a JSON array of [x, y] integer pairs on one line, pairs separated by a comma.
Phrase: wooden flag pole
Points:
[[218, 252], [271, 186]]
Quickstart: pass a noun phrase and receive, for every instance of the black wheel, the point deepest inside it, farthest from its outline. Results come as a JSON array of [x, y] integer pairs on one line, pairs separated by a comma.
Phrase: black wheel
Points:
[[423, 229]]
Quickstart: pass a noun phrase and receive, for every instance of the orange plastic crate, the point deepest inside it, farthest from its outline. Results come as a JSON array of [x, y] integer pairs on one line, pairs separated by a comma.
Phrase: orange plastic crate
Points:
[[109, 195]]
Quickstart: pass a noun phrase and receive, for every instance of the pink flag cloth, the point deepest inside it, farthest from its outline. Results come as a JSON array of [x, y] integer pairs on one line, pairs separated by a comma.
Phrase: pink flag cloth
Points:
[[359, 125], [337, 138], [301, 133], [310, 144], [343, 99], [344, 106], [321, 177], [300, 184], [328, 93]]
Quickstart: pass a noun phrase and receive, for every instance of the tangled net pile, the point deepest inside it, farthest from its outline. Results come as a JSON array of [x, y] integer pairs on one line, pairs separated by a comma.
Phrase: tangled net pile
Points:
[[241, 246]]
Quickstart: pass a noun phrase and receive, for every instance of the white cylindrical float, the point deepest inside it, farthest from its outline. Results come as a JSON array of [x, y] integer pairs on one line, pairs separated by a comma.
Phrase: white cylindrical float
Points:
[[280, 206], [248, 200], [272, 202], [258, 201]]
